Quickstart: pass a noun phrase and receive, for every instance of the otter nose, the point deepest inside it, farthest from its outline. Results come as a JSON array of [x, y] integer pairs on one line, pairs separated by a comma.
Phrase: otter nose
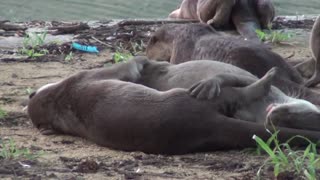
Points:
[[270, 107]]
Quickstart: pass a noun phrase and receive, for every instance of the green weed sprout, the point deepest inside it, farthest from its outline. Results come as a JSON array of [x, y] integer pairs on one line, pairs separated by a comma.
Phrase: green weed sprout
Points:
[[273, 36], [3, 113], [32, 43], [283, 158], [9, 150], [120, 57]]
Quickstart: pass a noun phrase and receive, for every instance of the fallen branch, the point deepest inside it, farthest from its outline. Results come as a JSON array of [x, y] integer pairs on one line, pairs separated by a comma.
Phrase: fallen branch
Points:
[[69, 29], [11, 27], [94, 38]]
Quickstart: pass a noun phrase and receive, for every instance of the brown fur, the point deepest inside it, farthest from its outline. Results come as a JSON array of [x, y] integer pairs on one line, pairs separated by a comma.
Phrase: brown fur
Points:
[[315, 49], [181, 43], [132, 117], [245, 15]]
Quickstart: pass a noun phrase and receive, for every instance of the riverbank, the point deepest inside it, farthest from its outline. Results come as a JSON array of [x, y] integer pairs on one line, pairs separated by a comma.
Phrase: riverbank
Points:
[[66, 157]]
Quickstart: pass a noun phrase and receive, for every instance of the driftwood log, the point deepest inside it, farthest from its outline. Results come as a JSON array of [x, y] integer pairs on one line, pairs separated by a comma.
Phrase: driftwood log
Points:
[[7, 26], [69, 29], [280, 22]]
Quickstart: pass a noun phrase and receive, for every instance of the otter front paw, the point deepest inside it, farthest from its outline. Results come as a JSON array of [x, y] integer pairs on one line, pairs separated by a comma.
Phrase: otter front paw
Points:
[[205, 89]]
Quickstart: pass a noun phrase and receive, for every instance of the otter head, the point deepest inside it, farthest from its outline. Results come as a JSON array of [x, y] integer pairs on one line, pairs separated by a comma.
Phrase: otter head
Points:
[[41, 108], [298, 114], [160, 45]]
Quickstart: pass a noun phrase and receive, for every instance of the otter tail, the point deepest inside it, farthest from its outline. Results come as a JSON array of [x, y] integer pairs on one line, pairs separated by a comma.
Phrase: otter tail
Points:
[[232, 133]]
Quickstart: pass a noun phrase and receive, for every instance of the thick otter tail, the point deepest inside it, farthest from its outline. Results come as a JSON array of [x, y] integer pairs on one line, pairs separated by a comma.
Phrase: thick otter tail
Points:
[[230, 133]]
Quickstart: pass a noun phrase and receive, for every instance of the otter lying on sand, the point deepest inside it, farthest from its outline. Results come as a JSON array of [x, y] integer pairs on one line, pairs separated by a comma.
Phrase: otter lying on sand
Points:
[[246, 15], [91, 104]]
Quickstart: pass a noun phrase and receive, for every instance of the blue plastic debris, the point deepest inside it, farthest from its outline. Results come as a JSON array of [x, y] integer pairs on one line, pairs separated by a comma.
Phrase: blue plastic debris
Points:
[[80, 47]]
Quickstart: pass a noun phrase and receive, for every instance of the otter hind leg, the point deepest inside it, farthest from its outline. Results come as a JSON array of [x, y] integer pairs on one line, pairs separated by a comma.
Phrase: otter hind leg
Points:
[[210, 88], [261, 87], [249, 88]]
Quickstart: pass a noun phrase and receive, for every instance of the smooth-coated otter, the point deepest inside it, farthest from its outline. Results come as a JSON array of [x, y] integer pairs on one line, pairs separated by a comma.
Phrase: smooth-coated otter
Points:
[[315, 49], [180, 43], [91, 104], [246, 15]]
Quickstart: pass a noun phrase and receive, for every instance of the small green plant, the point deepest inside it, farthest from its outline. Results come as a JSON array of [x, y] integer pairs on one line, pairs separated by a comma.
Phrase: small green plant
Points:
[[69, 56], [120, 57], [273, 36], [9, 150], [284, 159], [29, 90], [32, 43], [3, 113]]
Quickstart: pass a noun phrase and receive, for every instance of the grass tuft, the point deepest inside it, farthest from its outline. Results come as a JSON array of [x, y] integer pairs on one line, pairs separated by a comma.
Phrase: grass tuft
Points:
[[284, 159], [121, 57], [3, 113], [273, 36], [32, 43], [9, 150]]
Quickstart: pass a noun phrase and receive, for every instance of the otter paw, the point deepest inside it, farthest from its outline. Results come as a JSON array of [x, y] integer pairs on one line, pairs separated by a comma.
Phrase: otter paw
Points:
[[205, 89]]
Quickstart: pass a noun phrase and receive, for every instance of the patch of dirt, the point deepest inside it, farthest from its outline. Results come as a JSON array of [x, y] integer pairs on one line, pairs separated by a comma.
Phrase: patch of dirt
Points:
[[67, 157]]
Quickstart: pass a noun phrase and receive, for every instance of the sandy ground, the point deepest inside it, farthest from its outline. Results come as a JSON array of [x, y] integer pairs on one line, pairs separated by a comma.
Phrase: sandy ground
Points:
[[67, 157]]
